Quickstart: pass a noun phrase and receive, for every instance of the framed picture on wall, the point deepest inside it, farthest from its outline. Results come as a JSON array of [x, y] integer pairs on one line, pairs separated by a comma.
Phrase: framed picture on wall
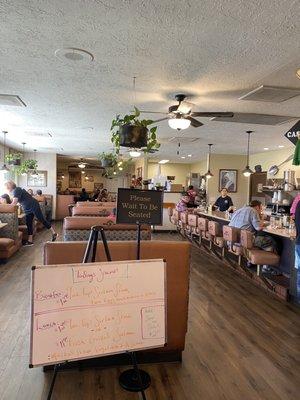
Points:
[[139, 172], [39, 180], [98, 186], [75, 179], [228, 179]]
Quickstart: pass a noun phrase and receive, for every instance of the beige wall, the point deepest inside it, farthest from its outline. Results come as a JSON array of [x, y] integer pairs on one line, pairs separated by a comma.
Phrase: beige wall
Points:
[[199, 167], [141, 162], [180, 171], [46, 162], [269, 158], [228, 161]]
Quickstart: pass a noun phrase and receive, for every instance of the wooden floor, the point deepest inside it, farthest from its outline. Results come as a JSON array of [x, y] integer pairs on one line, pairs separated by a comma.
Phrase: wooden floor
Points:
[[241, 344]]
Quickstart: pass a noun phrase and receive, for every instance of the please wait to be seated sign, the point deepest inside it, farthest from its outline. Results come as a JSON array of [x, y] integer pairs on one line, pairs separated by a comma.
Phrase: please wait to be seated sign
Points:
[[139, 206]]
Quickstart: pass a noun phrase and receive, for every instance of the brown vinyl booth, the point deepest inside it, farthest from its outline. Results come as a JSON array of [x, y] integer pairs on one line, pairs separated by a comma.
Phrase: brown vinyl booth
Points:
[[177, 256], [96, 204], [79, 228], [10, 236], [63, 202], [94, 211]]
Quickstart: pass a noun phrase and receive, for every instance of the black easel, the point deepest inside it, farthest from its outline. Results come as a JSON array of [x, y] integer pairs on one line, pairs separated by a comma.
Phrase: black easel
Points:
[[133, 380]]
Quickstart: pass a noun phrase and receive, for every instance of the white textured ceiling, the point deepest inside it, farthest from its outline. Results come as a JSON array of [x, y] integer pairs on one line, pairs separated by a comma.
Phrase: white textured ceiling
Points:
[[215, 50]]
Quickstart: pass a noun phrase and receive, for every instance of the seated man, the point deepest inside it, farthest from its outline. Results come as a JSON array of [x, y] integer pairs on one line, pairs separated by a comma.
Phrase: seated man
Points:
[[249, 218], [40, 197], [84, 195]]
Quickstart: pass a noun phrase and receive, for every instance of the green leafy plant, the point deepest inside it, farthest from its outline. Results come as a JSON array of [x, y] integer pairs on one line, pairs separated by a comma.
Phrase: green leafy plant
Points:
[[108, 159], [13, 157], [133, 120], [26, 166]]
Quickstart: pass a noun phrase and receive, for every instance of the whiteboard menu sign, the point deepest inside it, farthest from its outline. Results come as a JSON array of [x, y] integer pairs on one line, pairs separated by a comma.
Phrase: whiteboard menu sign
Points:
[[90, 310]]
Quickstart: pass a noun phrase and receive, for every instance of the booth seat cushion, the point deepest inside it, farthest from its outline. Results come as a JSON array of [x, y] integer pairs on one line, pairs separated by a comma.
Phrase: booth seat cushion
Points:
[[6, 243], [177, 256], [262, 257]]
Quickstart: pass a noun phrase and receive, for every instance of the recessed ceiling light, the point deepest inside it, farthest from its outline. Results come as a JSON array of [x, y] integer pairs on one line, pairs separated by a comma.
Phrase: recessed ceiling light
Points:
[[266, 148], [182, 156], [163, 161], [74, 54], [298, 73], [189, 155], [281, 146]]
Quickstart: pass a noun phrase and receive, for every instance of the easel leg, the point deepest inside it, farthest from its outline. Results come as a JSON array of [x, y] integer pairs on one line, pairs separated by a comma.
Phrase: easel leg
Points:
[[95, 240], [103, 237], [138, 254], [135, 379], [88, 247], [56, 367]]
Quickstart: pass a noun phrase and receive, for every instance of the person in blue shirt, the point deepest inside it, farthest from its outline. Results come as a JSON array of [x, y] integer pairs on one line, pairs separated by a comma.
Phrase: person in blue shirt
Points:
[[224, 202], [297, 250], [249, 218], [31, 209]]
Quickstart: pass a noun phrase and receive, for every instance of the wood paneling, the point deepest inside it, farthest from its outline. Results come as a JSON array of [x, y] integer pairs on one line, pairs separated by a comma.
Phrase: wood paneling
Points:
[[241, 344]]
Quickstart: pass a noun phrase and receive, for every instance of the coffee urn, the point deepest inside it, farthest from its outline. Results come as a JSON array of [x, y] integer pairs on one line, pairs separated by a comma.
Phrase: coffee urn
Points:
[[289, 180]]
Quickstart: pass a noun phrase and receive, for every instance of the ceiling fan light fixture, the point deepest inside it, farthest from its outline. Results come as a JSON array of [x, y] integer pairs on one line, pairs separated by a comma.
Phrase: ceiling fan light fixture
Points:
[[81, 165], [208, 175], [135, 153], [247, 171], [179, 123]]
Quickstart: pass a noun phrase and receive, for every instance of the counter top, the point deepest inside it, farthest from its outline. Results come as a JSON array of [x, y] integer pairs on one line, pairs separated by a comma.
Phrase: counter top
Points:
[[219, 215]]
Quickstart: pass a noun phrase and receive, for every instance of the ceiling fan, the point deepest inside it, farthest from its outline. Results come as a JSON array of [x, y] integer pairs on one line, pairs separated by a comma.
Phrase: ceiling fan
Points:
[[180, 116]]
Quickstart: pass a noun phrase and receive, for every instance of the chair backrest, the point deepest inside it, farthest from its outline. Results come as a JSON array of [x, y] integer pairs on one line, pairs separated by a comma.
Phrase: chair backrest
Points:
[[177, 256], [214, 228], [231, 233], [247, 239], [192, 220], [176, 214], [170, 211], [184, 217], [202, 224], [9, 215]]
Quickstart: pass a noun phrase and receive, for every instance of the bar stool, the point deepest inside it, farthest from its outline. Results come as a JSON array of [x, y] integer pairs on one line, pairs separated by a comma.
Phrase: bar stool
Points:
[[183, 221], [203, 230], [192, 225], [214, 230], [257, 256], [231, 236]]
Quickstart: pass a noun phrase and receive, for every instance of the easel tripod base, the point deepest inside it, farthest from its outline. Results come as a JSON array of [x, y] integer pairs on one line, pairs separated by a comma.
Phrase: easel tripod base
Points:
[[129, 380]]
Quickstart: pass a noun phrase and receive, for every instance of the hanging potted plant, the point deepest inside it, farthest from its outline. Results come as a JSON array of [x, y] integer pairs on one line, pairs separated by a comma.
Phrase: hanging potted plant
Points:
[[108, 159], [13, 158], [130, 131], [27, 166]]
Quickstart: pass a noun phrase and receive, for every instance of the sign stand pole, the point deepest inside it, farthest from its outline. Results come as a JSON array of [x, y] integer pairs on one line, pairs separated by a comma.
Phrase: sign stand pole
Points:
[[133, 380], [56, 368]]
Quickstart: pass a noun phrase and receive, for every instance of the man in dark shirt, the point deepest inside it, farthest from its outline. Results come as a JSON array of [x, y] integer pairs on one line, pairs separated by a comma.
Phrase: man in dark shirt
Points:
[[297, 250], [224, 202], [31, 209], [84, 195]]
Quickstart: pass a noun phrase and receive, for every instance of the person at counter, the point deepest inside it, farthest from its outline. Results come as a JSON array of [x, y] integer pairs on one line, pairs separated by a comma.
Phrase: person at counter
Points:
[[192, 196], [297, 250], [182, 205], [224, 202], [249, 218]]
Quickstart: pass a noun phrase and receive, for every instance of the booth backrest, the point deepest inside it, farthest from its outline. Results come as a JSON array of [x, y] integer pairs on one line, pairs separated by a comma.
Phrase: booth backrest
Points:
[[96, 204], [9, 215], [62, 205], [177, 256], [96, 211], [79, 228]]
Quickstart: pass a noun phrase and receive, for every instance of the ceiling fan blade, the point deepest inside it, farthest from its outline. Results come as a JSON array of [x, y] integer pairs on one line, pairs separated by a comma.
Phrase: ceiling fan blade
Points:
[[153, 112], [185, 107], [158, 120], [194, 122], [212, 114]]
